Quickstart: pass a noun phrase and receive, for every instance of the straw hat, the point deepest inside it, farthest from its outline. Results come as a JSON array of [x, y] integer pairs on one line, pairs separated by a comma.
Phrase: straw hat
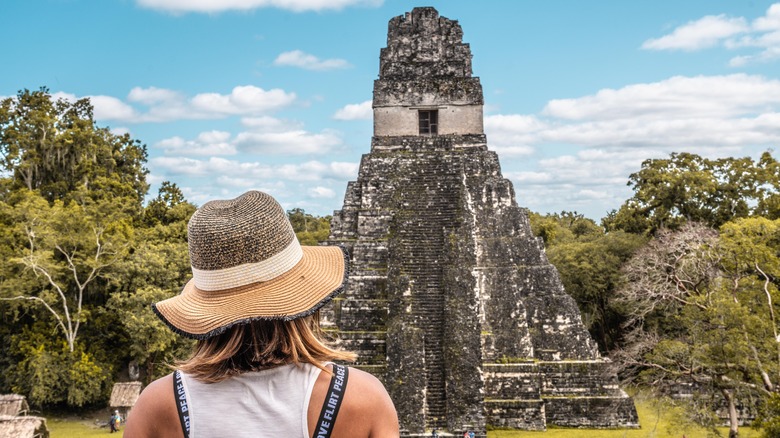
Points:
[[247, 265]]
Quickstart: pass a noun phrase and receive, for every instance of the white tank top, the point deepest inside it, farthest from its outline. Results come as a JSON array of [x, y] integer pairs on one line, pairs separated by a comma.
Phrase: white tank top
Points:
[[272, 402]]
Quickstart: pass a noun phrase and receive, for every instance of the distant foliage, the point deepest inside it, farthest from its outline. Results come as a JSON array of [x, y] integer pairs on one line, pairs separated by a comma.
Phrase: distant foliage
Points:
[[769, 417], [589, 262], [311, 230]]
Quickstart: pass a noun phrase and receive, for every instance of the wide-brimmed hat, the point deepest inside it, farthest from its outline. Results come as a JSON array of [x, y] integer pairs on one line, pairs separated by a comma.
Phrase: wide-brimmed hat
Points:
[[247, 265]]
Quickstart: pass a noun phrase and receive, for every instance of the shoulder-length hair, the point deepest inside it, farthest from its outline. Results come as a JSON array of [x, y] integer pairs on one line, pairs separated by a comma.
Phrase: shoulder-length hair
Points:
[[261, 344]]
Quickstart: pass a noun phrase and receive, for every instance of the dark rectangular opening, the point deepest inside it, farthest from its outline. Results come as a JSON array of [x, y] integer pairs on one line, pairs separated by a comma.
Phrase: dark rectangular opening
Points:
[[429, 122]]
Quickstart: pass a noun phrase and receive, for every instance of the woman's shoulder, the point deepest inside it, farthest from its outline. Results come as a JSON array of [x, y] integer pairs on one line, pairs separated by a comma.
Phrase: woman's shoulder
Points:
[[362, 384], [154, 413], [366, 398]]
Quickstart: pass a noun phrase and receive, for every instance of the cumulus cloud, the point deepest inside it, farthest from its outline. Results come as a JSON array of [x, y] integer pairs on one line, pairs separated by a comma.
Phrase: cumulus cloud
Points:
[[207, 143], [242, 100], [700, 34], [111, 108], [296, 142], [297, 58], [214, 6], [153, 95], [601, 134], [355, 111], [734, 33], [270, 124], [321, 192], [154, 104], [676, 97], [512, 135], [235, 172], [680, 112]]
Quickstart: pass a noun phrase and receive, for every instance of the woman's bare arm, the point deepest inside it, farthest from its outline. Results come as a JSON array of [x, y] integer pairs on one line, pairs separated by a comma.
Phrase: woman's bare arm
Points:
[[154, 414], [366, 412]]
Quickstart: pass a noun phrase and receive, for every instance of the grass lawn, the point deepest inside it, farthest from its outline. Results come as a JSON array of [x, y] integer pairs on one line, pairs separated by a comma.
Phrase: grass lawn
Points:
[[73, 427], [656, 421]]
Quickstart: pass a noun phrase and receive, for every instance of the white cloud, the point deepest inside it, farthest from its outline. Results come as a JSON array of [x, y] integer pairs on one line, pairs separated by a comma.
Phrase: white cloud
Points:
[[675, 114], [229, 181], [208, 143], [732, 33], [700, 34], [316, 170], [154, 104], [119, 130], [296, 142], [213, 6], [321, 192], [153, 95], [64, 96], [270, 124], [770, 21], [242, 100], [238, 173], [111, 108], [608, 134], [355, 111], [673, 98], [512, 135], [297, 58]]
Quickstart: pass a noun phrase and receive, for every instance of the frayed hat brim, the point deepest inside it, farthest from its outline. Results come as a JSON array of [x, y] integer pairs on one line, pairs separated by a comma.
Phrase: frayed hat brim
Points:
[[319, 276]]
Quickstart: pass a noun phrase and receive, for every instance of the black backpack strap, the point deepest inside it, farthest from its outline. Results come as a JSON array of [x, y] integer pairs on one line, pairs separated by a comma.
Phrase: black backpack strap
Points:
[[330, 408], [181, 403]]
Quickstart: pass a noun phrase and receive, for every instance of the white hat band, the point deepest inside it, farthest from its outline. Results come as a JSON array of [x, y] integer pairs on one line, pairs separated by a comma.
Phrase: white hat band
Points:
[[248, 273]]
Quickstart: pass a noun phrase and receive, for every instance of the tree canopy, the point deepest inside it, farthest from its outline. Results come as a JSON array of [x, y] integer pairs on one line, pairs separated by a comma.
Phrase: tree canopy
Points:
[[687, 187], [56, 149], [82, 258], [589, 262], [703, 308]]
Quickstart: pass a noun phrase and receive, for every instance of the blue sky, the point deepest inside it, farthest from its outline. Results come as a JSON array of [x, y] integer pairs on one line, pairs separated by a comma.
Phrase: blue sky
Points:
[[232, 95]]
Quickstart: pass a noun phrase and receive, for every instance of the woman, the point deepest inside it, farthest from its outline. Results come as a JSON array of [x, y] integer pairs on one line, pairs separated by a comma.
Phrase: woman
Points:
[[260, 366]]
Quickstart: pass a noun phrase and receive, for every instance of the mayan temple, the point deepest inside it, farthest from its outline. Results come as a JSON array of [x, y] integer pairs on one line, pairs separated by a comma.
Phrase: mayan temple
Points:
[[451, 300]]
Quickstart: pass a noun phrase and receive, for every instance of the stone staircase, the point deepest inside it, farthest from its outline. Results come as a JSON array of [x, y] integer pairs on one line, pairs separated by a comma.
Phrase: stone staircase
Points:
[[427, 212]]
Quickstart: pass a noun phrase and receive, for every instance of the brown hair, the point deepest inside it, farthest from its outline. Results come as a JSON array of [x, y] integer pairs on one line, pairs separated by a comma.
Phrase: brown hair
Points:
[[261, 344]]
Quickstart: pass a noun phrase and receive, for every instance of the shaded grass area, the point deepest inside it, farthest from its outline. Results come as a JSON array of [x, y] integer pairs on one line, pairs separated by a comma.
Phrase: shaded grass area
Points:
[[73, 427], [658, 420]]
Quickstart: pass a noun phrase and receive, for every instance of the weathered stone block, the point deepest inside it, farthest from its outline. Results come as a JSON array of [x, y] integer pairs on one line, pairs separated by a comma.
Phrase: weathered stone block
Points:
[[595, 412]]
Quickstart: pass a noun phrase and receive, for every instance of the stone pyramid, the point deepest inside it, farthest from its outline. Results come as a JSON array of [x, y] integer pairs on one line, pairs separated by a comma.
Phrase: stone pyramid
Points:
[[451, 300]]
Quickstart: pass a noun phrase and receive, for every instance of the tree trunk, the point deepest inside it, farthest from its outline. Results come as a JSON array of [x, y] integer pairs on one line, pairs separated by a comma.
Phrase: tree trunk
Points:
[[733, 420]]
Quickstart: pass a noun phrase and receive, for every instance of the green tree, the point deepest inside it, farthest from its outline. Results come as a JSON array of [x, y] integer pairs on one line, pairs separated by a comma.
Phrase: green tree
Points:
[[67, 248], [769, 417], [168, 207], [589, 262], [703, 308], [48, 373], [156, 268], [686, 187], [70, 207], [147, 340], [311, 230], [56, 148]]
